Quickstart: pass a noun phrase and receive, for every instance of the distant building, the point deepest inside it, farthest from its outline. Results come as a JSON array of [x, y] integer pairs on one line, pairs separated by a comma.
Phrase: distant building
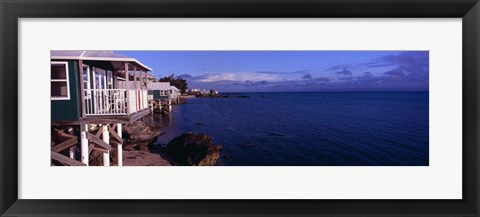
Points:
[[196, 91], [162, 91], [158, 90], [175, 93]]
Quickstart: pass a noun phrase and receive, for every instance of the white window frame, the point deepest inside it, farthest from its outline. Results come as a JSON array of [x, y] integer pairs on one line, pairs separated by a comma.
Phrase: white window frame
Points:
[[88, 81], [94, 79], [88, 76], [61, 80], [109, 79], [102, 78]]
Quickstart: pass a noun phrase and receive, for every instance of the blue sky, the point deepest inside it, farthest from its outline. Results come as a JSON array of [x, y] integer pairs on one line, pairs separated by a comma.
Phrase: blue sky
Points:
[[259, 71]]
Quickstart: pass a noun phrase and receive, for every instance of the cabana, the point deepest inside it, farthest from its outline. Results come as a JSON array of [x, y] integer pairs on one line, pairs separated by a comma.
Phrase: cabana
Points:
[[90, 87], [174, 94], [158, 90], [85, 86]]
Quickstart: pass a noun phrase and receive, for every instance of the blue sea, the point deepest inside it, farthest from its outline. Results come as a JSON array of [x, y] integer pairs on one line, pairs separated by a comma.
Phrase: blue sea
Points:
[[310, 128]]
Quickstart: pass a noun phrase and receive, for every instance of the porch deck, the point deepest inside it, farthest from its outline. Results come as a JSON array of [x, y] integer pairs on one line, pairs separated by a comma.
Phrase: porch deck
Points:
[[112, 119], [106, 119], [110, 106]]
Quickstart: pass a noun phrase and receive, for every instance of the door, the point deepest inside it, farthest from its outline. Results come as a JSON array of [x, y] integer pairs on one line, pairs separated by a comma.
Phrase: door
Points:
[[87, 91], [100, 93], [86, 82]]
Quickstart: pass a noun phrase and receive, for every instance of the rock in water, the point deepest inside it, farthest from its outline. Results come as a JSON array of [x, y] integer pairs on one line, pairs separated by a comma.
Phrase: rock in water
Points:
[[140, 132], [190, 149]]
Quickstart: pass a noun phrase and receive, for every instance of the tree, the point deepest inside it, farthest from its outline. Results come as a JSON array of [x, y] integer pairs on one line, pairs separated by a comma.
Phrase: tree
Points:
[[179, 83]]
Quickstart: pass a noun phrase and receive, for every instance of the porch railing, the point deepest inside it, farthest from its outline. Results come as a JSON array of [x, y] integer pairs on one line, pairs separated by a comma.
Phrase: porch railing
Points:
[[114, 101], [138, 100], [106, 102]]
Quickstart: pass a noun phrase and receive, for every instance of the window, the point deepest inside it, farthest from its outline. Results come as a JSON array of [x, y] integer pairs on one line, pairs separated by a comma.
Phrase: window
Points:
[[86, 81], [59, 81], [100, 78], [109, 79]]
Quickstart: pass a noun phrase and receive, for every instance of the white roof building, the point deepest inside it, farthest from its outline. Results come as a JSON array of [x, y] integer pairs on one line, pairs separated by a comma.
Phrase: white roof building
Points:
[[159, 85], [131, 85], [174, 88]]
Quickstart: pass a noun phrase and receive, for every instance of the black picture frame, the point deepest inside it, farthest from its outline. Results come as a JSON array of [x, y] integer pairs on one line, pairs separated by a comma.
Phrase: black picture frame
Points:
[[12, 10]]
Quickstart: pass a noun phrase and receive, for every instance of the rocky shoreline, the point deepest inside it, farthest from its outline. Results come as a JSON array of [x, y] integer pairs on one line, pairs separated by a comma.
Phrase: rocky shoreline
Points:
[[223, 95], [188, 149]]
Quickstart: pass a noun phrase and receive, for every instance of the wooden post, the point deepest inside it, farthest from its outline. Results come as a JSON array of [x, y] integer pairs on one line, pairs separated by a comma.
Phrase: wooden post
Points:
[[72, 149], [127, 75], [142, 105], [146, 80], [120, 146], [140, 82], [72, 152], [82, 91], [84, 143], [119, 129], [115, 79], [141, 79], [106, 139], [106, 158], [134, 77]]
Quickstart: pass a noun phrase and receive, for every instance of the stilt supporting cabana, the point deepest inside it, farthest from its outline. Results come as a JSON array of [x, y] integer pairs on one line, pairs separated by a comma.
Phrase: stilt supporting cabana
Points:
[[120, 146], [106, 139], [84, 143], [71, 151]]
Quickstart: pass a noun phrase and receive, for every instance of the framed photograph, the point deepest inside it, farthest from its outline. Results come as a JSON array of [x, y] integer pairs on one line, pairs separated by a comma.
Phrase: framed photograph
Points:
[[251, 108]]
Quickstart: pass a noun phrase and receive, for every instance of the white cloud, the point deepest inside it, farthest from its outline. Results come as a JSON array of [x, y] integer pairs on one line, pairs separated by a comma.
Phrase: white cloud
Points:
[[236, 76]]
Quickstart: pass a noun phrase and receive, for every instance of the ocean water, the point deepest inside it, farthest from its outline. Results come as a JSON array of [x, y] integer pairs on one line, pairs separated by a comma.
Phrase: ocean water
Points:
[[310, 128]]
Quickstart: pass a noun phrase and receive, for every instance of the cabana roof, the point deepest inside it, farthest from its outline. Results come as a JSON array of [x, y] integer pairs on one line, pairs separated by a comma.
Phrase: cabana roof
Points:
[[174, 88], [159, 85], [131, 84], [103, 55]]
